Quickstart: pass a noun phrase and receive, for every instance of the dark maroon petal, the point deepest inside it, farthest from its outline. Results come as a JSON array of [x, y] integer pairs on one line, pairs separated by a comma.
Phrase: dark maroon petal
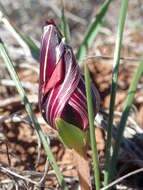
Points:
[[62, 91], [51, 52], [59, 96], [56, 77], [78, 102]]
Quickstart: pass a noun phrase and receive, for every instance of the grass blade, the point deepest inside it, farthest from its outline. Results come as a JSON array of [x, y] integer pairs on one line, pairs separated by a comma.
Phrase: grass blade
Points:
[[92, 31], [27, 43], [20, 90], [114, 86], [125, 113], [64, 25], [91, 128], [34, 49]]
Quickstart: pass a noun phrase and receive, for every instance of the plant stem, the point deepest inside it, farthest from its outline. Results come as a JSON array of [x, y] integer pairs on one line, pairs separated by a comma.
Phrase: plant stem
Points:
[[114, 86], [29, 110], [125, 113], [83, 170], [64, 25], [92, 130]]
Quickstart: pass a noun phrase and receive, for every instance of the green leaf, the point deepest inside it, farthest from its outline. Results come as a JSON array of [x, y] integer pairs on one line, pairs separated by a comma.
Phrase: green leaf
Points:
[[124, 117], [71, 136], [64, 24], [35, 50], [21, 38], [92, 129], [117, 53], [92, 31], [31, 114]]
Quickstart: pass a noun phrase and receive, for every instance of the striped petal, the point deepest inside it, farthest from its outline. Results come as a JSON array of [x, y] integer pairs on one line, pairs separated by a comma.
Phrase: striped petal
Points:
[[62, 87]]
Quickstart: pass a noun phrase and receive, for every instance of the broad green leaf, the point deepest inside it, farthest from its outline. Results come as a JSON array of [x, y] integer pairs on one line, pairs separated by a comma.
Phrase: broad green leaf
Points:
[[71, 136]]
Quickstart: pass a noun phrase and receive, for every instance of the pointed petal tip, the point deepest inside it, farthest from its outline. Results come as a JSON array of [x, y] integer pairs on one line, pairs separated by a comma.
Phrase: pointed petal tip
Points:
[[50, 22]]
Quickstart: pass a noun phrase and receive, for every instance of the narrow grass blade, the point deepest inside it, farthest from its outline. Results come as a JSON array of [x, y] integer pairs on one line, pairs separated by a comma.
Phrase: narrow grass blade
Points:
[[125, 113], [27, 43], [114, 86], [92, 31], [91, 128], [34, 49], [64, 25], [20, 90]]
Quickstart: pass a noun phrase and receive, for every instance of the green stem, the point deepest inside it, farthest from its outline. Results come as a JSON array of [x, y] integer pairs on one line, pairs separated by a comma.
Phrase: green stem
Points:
[[114, 86], [92, 31], [24, 41], [92, 129], [29, 110], [64, 26], [125, 113]]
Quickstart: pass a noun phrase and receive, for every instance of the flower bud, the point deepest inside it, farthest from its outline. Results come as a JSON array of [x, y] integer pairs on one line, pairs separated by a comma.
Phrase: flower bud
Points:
[[62, 87]]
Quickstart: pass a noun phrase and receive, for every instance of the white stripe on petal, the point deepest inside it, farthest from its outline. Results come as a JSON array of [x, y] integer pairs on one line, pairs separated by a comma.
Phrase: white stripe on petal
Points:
[[62, 86], [47, 48], [67, 92], [81, 112], [47, 106], [80, 103], [71, 79]]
